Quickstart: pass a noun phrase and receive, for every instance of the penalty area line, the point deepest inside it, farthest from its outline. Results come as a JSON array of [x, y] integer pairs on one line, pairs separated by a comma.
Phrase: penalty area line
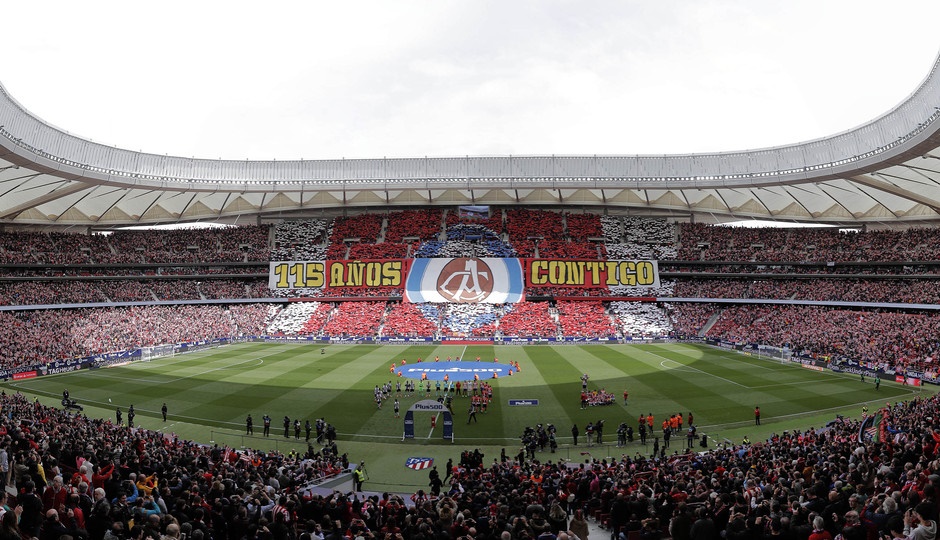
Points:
[[698, 370]]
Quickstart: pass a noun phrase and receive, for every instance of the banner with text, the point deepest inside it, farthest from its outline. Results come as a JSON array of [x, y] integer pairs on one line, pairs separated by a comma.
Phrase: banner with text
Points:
[[463, 280], [591, 274], [337, 274]]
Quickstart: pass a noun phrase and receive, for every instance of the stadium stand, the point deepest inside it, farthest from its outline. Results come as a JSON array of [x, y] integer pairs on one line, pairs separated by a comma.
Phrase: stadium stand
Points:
[[523, 223], [641, 319], [33, 337], [385, 250], [355, 319], [420, 224], [493, 222], [583, 227], [527, 319], [584, 319], [469, 319], [300, 240], [406, 319], [696, 262]]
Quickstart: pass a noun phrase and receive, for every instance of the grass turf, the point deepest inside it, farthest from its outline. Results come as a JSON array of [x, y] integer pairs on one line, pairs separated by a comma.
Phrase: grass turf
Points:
[[210, 393]]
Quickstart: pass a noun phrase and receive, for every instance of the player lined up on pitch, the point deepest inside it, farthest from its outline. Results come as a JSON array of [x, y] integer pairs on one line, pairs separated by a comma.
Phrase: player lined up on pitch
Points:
[[444, 383]]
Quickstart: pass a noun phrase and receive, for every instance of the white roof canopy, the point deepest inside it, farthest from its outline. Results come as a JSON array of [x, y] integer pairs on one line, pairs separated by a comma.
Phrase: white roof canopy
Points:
[[884, 173]]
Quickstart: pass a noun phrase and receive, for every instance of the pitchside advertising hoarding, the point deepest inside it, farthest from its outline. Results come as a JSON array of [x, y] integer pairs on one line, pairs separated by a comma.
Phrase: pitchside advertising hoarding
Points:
[[463, 280]]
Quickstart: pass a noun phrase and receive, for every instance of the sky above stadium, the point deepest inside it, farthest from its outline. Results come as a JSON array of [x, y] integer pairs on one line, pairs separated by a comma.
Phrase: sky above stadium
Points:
[[323, 80]]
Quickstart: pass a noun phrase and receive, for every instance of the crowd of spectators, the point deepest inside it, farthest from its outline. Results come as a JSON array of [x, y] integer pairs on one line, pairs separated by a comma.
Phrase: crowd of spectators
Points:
[[176, 289], [198, 270], [32, 337], [470, 319], [126, 290], [805, 268], [204, 245], [583, 227], [318, 316], [252, 241], [258, 288], [407, 319], [384, 250], [513, 232], [300, 240], [556, 291], [493, 222], [909, 291], [364, 227], [84, 478], [338, 251], [220, 289], [525, 248], [666, 289], [421, 224], [585, 318], [612, 229], [805, 483], [359, 292], [300, 319], [653, 230], [712, 288], [524, 223], [563, 249], [528, 319], [30, 293], [355, 319], [465, 240], [883, 338], [721, 243], [228, 244], [20, 293], [638, 237], [688, 319], [641, 319], [655, 252]]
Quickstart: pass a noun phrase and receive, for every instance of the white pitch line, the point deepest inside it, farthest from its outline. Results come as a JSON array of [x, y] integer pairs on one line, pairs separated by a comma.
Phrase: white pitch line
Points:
[[794, 383], [700, 371], [794, 415], [162, 382], [259, 360]]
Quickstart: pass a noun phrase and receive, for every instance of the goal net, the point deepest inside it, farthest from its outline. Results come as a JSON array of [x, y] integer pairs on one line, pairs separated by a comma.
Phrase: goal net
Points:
[[777, 353], [156, 351]]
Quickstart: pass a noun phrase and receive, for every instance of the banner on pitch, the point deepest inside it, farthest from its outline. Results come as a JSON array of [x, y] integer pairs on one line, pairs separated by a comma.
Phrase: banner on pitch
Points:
[[465, 280]]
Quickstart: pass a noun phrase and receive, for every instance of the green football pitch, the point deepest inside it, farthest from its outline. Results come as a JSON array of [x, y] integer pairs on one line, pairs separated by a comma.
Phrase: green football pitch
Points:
[[210, 393]]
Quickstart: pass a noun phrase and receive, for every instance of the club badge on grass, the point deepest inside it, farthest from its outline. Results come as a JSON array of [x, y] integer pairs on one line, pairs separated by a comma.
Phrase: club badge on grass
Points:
[[418, 463]]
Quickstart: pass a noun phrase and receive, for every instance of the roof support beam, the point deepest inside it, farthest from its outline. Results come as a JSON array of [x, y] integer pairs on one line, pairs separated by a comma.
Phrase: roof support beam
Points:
[[881, 185], [42, 199]]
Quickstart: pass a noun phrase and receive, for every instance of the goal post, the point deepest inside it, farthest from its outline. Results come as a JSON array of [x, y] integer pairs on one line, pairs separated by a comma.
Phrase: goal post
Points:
[[775, 353]]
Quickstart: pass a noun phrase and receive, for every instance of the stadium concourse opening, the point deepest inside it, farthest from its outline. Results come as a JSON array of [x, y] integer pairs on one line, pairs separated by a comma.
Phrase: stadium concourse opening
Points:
[[453, 371]]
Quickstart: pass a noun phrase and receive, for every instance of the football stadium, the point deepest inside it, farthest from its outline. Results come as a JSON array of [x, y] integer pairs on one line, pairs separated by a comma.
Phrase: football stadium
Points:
[[478, 347]]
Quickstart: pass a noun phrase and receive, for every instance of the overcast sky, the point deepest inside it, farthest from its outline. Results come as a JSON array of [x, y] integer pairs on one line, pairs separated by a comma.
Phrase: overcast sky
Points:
[[398, 78]]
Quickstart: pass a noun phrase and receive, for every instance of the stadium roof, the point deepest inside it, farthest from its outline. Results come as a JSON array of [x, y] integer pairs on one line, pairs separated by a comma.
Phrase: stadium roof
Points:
[[884, 173]]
